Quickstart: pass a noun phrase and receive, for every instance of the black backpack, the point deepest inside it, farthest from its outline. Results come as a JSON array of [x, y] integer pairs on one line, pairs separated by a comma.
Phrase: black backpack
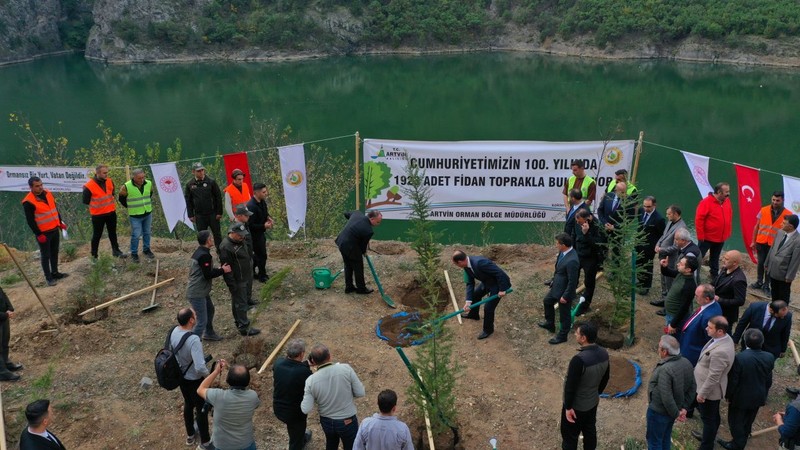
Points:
[[168, 371]]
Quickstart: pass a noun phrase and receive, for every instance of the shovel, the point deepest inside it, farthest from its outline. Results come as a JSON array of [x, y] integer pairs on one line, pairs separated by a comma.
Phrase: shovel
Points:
[[378, 282], [153, 304]]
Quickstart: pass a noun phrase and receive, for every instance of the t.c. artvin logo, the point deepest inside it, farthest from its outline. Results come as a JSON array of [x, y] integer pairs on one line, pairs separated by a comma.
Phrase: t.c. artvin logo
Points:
[[168, 184]]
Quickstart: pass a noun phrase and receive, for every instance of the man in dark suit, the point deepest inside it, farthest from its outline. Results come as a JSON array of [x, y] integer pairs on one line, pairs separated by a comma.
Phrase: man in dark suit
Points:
[[614, 209], [494, 281], [562, 291], [576, 204], [773, 319], [36, 436], [783, 259], [748, 385], [694, 335], [731, 286], [652, 224], [353, 242], [589, 247]]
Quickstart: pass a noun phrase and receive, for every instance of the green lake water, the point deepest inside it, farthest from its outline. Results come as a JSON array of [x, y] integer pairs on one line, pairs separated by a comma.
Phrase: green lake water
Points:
[[745, 115]]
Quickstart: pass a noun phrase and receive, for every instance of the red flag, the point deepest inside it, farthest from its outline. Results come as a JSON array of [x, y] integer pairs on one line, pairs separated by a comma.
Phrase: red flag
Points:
[[237, 161], [749, 203]]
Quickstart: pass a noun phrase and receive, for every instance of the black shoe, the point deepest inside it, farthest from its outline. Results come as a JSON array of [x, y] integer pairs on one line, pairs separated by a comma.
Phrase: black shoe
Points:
[[364, 291], [727, 445], [697, 435], [659, 302], [307, 437], [212, 337], [793, 391], [467, 316], [8, 376], [582, 310], [149, 254], [756, 285], [118, 254], [484, 335], [548, 283], [14, 367], [263, 278], [134, 257], [557, 339], [551, 327], [51, 282], [249, 331], [59, 275], [349, 290], [661, 312], [767, 290], [252, 302]]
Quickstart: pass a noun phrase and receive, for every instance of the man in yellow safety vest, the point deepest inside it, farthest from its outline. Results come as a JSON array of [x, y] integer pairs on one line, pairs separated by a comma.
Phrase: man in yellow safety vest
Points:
[[136, 195]]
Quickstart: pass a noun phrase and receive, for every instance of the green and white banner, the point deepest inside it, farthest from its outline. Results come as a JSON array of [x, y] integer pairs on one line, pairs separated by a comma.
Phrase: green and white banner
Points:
[[513, 181]]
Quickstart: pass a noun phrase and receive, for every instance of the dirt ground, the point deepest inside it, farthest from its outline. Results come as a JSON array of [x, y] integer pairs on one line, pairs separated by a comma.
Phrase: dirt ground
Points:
[[511, 389]]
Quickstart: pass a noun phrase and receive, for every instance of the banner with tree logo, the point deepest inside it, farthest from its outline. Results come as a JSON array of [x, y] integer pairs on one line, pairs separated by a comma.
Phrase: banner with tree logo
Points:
[[513, 181]]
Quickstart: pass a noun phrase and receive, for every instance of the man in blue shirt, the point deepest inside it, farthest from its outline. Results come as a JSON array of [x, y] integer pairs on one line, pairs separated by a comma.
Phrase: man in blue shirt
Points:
[[384, 431]]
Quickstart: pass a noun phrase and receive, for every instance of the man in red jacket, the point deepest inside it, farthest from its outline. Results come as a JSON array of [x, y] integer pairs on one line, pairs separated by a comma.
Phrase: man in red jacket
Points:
[[713, 222]]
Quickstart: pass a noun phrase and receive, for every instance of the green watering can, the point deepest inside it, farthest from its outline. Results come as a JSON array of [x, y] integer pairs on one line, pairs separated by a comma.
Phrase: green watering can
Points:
[[323, 278]]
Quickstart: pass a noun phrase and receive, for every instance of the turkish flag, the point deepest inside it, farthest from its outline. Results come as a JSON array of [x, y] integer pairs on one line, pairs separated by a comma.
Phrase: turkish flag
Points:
[[749, 203], [237, 161]]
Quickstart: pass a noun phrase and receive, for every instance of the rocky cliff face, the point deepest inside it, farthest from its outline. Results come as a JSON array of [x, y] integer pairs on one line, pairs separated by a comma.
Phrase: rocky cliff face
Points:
[[28, 28]]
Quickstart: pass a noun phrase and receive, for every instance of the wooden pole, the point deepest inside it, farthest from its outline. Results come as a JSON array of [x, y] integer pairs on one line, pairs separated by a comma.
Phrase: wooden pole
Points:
[[765, 430], [638, 153], [427, 420], [794, 352], [279, 346], [35, 292], [452, 295], [126, 297], [155, 281], [127, 172], [358, 173]]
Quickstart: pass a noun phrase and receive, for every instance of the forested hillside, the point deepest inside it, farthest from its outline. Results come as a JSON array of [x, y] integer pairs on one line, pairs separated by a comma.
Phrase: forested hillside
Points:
[[138, 30]]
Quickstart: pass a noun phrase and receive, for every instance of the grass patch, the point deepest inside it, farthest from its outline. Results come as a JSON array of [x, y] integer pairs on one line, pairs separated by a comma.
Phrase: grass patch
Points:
[[10, 280], [70, 252]]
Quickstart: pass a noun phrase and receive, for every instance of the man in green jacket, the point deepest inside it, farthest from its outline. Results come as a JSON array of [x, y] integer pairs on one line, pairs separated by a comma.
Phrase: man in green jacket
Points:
[[671, 390], [235, 252]]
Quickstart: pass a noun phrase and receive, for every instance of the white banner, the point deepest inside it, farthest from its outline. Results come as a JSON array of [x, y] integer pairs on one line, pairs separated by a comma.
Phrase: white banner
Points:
[[791, 194], [698, 167], [486, 180], [293, 173], [170, 192], [56, 179]]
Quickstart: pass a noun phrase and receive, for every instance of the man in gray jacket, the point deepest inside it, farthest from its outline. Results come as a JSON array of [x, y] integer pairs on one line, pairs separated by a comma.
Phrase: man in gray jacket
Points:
[[333, 388], [198, 290], [671, 391], [193, 366], [235, 252]]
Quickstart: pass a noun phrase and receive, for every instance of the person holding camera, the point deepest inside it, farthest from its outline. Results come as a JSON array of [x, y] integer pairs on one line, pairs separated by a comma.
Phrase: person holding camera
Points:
[[233, 408], [289, 376], [333, 388]]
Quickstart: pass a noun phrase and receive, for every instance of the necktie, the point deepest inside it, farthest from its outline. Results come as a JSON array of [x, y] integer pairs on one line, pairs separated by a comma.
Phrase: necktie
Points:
[[615, 204], [783, 241], [644, 219], [696, 313], [469, 272], [560, 255], [769, 322]]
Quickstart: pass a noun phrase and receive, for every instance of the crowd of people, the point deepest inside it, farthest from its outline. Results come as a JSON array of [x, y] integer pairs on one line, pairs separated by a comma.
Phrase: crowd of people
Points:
[[698, 364]]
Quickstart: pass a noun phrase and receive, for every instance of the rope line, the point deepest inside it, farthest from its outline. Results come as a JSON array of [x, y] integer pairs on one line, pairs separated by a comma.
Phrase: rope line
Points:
[[252, 151], [715, 159]]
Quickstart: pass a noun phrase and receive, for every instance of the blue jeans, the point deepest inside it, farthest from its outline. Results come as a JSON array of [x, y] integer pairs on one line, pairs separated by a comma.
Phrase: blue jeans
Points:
[[140, 228], [336, 429], [659, 431], [204, 310]]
